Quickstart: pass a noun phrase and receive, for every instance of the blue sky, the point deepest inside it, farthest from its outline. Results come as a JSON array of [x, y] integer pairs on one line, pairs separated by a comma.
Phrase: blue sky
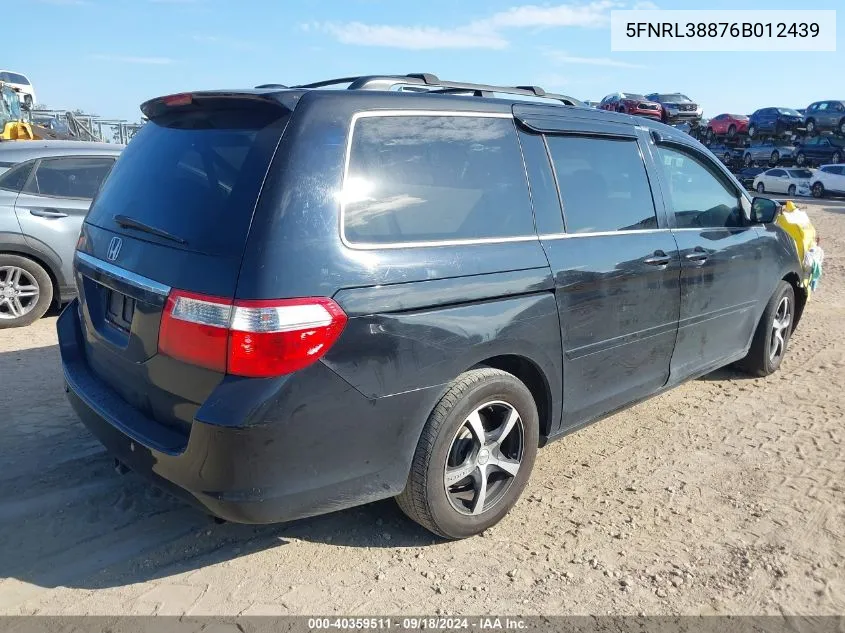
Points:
[[107, 56]]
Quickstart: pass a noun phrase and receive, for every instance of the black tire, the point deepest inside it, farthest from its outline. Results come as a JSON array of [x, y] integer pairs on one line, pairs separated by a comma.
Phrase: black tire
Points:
[[731, 131], [749, 162], [836, 158], [41, 280], [774, 158], [842, 127], [800, 159], [790, 191], [752, 131], [425, 498], [818, 190], [811, 127], [760, 361], [761, 188]]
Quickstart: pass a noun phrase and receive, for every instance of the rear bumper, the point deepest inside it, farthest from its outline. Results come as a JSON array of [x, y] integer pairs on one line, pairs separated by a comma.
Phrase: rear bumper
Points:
[[310, 444]]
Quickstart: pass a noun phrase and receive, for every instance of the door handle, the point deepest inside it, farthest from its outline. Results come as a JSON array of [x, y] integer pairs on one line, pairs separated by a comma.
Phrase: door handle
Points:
[[698, 255], [658, 259], [48, 213]]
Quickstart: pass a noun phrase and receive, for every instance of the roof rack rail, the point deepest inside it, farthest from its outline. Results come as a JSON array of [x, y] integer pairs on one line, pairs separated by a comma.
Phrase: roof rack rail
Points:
[[428, 80]]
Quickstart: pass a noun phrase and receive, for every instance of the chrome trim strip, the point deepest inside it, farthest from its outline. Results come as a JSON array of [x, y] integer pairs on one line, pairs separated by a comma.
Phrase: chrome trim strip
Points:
[[393, 245], [127, 276], [562, 236]]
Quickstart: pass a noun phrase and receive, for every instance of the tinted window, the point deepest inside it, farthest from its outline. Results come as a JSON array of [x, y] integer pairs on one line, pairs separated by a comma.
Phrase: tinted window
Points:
[[697, 192], [837, 106], [15, 178], [69, 177], [776, 172], [14, 78], [431, 178], [196, 175], [544, 194], [603, 184]]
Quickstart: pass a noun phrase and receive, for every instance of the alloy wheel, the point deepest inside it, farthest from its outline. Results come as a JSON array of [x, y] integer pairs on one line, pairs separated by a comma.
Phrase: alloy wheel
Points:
[[836, 158], [780, 329], [19, 292], [484, 458]]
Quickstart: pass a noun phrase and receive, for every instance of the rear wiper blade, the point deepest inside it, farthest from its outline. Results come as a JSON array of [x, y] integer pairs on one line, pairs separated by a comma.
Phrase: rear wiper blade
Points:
[[131, 223]]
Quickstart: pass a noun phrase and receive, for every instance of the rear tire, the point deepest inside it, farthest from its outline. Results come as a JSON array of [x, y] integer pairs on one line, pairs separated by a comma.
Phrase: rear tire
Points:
[[26, 291], [811, 127], [450, 463], [774, 158], [767, 348], [791, 190], [752, 131], [761, 188], [732, 131], [818, 190], [800, 159]]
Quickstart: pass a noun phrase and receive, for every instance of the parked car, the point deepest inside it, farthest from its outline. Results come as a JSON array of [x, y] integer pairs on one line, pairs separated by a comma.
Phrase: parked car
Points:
[[825, 116], [371, 311], [676, 107], [20, 83], [789, 181], [728, 154], [45, 190], [729, 125], [768, 153], [828, 179], [774, 122], [631, 103], [747, 175], [820, 149]]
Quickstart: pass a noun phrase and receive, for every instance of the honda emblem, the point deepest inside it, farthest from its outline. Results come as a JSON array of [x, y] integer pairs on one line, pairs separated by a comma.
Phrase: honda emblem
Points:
[[114, 248]]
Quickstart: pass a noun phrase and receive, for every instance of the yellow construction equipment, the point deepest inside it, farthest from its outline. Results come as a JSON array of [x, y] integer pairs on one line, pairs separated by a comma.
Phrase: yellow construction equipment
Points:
[[13, 125]]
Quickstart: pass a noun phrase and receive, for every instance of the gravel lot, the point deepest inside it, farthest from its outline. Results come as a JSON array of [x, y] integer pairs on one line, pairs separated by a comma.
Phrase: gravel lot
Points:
[[724, 496]]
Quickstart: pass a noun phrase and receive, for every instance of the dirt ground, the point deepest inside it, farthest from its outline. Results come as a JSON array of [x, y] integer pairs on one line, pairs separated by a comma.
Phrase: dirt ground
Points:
[[724, 496]]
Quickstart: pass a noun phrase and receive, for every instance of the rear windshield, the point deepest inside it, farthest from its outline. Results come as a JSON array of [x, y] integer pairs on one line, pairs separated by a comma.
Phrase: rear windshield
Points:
[[801, 173], [195, 176]]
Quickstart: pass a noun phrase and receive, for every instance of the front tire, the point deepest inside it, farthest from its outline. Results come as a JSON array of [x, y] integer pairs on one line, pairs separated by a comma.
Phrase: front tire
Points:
[[811, 127], [474, 456], [26, 291], [771, 338], [774, 158], [791, 190], [752, 131], [800, 159]]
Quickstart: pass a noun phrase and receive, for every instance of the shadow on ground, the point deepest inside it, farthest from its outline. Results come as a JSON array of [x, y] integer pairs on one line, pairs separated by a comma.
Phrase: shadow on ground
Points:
[[68, 519]]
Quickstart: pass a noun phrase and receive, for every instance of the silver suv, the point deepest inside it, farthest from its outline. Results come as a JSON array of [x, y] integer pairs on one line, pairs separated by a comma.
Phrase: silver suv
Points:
[[46, 188]]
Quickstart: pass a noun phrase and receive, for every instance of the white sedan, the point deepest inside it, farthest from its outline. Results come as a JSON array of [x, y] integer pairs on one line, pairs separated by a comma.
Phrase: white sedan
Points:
[[789, 181]]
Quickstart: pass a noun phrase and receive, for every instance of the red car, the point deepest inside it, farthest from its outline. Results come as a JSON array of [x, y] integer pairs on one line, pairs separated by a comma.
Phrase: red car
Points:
[[631, 103], [727, 125]]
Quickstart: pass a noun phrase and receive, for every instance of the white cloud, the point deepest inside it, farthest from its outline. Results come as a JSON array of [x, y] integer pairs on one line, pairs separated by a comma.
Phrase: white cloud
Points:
[[482, 33], [564, 58], [591, 15], [411, 37], [128, 59]]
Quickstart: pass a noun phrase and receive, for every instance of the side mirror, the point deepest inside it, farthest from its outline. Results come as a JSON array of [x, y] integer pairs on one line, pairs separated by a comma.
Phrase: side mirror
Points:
[[764, 211]]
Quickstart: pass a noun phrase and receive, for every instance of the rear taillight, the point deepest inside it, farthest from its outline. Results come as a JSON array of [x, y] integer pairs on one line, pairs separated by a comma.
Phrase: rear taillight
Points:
[[249, 338]]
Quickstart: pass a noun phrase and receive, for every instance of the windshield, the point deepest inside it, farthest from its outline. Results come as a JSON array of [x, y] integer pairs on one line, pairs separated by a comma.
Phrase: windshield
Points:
[[789, 112], [800, 173], [13, 78], [192, 176], [674, 98]]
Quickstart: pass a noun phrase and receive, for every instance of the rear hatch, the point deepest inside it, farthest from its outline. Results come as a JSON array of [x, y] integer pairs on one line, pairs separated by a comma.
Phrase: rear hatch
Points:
[[173, 215]]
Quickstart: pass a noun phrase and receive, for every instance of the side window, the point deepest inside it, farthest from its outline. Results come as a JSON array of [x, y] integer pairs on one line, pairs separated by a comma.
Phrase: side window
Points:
[[822, 106], [435, 178], [541, 181], [603, 184], [699, 196], [70, 177], [15, 178], [776, 173], [838, 107]]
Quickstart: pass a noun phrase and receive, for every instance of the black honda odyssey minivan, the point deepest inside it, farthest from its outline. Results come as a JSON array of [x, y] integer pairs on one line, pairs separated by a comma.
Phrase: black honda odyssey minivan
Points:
[[296, 300]]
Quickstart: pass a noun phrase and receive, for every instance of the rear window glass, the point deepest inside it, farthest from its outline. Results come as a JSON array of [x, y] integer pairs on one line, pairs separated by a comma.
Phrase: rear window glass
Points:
[[196, 176], [15, 178], [603, 184], [435, 178]]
